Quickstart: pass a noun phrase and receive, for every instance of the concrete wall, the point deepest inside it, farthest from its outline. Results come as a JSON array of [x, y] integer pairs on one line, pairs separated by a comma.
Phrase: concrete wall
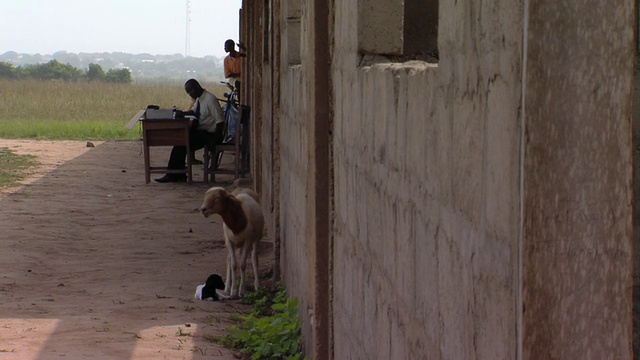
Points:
[[294, 167], [578, 163], [426, 191], [481, 206]]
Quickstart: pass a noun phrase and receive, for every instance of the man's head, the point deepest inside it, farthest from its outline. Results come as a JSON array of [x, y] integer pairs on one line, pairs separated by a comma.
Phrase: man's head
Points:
[[193, 88], [229, 45]]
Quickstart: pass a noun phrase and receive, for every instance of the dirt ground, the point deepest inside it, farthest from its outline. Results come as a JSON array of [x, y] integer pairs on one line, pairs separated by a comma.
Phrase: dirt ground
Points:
[[94, 263]]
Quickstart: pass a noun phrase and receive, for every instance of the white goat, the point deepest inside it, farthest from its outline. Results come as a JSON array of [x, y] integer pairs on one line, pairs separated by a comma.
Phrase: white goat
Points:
[[243, 224]]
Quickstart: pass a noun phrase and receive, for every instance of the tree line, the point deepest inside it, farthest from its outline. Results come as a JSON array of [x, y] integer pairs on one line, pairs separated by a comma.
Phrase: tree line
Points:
[[55, 70]]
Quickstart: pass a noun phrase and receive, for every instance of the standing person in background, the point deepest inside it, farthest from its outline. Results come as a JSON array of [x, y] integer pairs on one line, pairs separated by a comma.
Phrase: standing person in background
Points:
[[206, 127], [233, 63]]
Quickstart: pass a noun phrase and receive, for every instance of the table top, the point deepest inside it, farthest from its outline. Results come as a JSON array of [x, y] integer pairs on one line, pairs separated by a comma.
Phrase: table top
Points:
[[141, 116]]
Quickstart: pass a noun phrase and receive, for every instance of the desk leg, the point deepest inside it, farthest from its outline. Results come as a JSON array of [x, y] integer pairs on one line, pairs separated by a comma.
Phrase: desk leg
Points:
[[189, 163], [147, 162]]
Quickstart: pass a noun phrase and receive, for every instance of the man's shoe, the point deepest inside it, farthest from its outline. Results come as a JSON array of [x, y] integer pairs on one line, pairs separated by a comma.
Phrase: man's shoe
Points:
[[172, 178], [165, 179]]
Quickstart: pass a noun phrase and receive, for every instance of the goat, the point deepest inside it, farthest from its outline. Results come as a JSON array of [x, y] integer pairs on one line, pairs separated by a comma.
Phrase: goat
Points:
[[243, 225], [209, 290]]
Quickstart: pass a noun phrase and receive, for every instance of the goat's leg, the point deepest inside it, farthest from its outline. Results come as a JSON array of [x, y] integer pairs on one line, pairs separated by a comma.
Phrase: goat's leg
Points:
[[231, 271], [254, 262], [227, 283], [234, 285], [243, 267]]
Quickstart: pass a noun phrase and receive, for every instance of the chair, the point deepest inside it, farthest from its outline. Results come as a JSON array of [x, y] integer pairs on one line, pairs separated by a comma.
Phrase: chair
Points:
[[237, 145]]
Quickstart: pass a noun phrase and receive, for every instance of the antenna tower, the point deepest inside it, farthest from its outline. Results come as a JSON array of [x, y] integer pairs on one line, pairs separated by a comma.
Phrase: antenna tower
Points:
[[187, 40]]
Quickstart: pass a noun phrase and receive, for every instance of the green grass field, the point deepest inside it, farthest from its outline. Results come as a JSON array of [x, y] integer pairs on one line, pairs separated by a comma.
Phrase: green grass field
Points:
[[13, 167], [56, 110]]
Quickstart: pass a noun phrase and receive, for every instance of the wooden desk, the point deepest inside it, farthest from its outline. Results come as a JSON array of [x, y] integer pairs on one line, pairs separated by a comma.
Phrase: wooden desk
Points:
[[165, 132]]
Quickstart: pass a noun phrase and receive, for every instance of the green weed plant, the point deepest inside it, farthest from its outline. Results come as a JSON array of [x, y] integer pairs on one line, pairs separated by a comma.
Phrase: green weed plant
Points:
[[271, 331]]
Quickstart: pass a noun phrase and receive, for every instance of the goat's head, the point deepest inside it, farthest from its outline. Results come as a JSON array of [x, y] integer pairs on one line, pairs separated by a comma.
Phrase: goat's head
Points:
[[214, 201]]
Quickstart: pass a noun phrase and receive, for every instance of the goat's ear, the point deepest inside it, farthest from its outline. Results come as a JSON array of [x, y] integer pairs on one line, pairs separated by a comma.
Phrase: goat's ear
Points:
[[225, 196], [215, 196]]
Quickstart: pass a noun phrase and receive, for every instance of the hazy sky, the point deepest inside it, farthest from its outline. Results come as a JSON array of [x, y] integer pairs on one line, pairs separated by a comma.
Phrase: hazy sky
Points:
[[131, 26]]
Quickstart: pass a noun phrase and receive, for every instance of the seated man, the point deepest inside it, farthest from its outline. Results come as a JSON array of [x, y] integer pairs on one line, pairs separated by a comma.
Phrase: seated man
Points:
[[206, 127]]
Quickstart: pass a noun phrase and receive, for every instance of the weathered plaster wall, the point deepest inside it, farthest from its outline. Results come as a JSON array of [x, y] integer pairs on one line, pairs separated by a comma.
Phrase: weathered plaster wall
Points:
[[294, 164], [426, 191], [578, 164], [434, 177]]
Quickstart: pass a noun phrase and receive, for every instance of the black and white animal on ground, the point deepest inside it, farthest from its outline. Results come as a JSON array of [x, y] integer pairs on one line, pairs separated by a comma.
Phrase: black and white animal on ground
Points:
[[209, 290]]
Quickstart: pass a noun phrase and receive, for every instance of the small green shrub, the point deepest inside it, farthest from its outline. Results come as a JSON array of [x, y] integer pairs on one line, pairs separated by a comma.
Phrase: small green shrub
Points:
[[271, 331], [263, 299]]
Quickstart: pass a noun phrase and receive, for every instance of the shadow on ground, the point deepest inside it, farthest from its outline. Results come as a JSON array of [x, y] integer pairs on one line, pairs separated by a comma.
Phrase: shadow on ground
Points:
[[94, 263]]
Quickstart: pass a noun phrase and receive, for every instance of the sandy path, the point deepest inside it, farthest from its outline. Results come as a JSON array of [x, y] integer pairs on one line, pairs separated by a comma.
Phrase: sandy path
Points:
[[94, 263]]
